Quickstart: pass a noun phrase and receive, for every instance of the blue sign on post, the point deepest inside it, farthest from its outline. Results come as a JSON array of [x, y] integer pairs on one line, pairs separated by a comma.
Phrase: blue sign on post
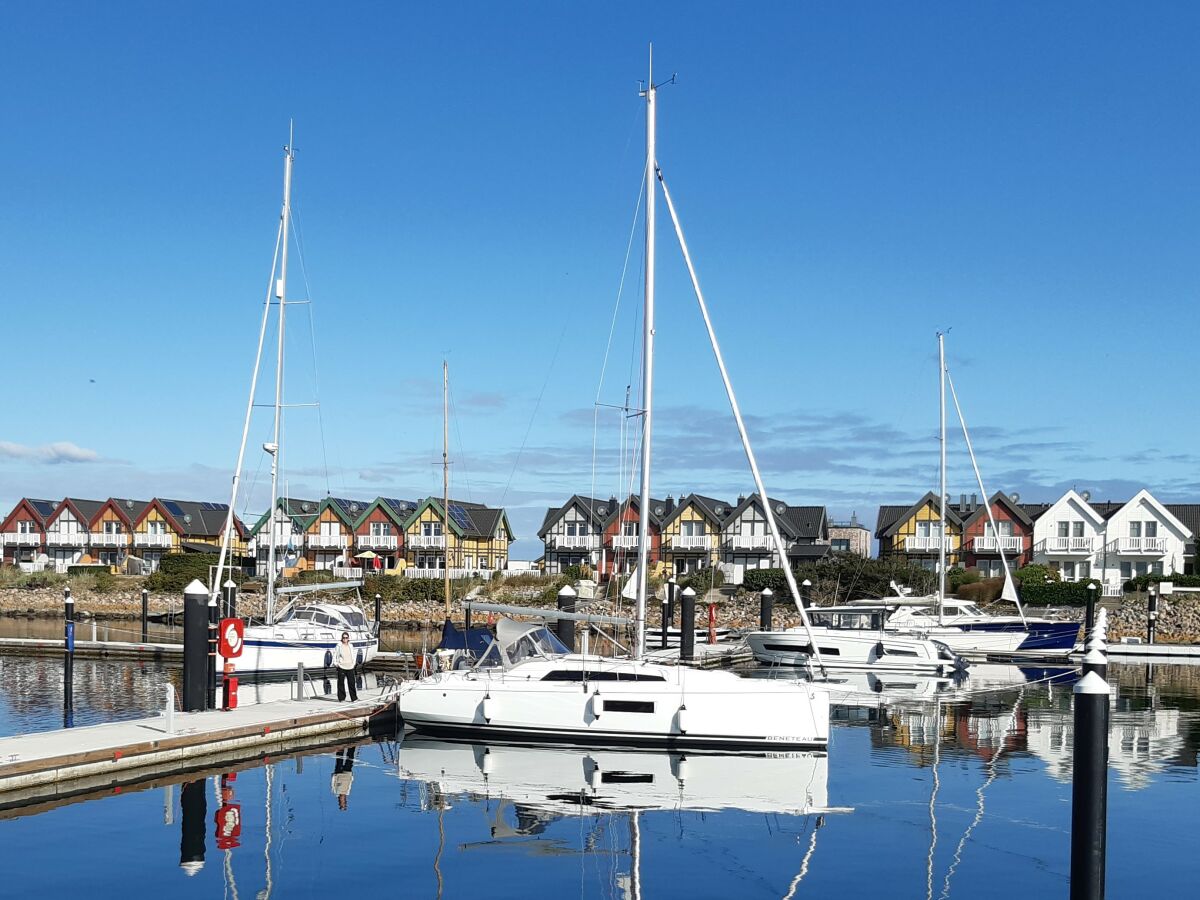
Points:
[[70, 637]]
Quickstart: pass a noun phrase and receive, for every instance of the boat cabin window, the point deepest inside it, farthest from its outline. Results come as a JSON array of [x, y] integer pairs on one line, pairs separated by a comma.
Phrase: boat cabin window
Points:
[[355, 619], [856, 621]]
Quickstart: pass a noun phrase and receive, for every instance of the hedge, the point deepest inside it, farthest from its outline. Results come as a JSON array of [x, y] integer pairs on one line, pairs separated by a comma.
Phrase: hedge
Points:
[[1141, 582], [177, 570], [1058, 593], [87, 569], [756, 579]]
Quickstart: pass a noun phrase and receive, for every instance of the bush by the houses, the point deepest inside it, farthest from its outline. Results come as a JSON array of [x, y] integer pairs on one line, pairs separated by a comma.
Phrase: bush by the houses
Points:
[[1057, 593], [957, 576], [840, 577], [757, 579], [986, 591], [1141, 582], [705, 580], [90, 569], [413, 590], [1035, 573], [177, 570]]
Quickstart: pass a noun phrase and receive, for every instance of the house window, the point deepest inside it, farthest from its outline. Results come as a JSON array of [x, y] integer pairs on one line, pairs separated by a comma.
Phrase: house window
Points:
[[1141, 568], [1156, 568], [25, 526], [431, 529], [570, 529], [925, 529], [1135, 529], [1151, 529], [629, 529], [1064, 529], [1085, 570], [1076, 529], [1126, 571], [840, 545], [1068, 571], [468, 562], [483, 562], [381, 529], [112, 527]]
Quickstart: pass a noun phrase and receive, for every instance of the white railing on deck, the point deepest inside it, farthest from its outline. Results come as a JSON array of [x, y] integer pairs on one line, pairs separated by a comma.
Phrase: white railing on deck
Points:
[[1068, 545], [108, 539], [574, 541], [327, 541], [749, 542], [919, 543], [1135, 545], [427, 541], [20, 539], [66, 539], [691, 541], [1112, 590], [353, 572], [378, 541], [625, 541], [145, 539], [991, 544]]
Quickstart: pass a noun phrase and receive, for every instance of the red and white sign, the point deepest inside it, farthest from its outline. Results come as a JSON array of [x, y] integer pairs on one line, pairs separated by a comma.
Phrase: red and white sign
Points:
[[230, 644]]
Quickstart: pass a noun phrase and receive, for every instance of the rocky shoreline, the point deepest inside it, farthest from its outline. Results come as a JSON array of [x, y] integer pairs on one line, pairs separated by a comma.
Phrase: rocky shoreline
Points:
[[1178, 619]]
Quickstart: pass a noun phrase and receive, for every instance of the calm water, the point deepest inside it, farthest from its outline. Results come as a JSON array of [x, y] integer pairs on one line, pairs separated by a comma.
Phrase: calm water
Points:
[[928, 790]]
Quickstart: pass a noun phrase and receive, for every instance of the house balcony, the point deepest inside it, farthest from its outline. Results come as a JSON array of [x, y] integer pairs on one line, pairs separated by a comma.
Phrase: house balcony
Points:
[[1138, 546], [413, 572], [694, 542], [1065, 546], [573, 542], [760, 543], [992, 544], [108, 539], [353, 573], [66, 539], [20, 539], [1112, 590], [144, 539], [378, 541], [928, 543], [625, 542], [425, 542], [327, 541]]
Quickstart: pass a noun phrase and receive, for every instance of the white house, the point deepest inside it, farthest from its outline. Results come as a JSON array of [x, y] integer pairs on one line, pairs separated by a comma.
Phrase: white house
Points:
[[1068, 536]]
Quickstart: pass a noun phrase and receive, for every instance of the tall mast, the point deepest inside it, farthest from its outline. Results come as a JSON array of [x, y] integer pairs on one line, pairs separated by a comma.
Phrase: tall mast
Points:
[[446, 482], [647, 372], [941, 594], [281, 296]]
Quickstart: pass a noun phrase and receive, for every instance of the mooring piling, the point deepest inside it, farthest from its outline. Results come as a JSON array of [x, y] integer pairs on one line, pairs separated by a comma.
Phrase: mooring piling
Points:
[[666, 621], [566, 627], [68, 658], [169, 709], [195, 646], [1089, 788], [806, 593], [379, 614], [672, 590], [1151, 614], [766, 610], [1089, 620], [145, 616], [193, 802], [299, 681], [687, 624], [229, 598]]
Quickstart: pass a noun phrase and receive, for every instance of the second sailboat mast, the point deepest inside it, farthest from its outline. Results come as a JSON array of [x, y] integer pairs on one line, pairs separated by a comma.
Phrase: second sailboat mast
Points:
[[446, 483]]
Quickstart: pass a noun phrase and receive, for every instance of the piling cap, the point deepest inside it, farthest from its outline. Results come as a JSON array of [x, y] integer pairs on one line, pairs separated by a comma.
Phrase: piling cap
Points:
[[806, 583], [767, 592], [196, 587], [1091, 683], [688, 592], [567, 591], [1096, 657], [229, 582]]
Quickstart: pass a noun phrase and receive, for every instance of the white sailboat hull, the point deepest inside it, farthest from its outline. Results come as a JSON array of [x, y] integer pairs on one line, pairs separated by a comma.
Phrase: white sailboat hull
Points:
[[665, 705]]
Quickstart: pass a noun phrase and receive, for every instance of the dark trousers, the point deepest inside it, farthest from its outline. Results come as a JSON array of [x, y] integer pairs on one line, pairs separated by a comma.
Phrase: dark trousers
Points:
[[346, 677]]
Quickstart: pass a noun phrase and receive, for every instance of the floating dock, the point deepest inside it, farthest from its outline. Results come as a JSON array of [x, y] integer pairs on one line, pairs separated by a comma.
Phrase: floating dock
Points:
[[53, 762], [1170, 652]]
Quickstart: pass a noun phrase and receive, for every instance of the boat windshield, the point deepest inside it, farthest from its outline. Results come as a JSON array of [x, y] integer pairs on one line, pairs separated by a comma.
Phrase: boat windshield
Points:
[[516, 642]]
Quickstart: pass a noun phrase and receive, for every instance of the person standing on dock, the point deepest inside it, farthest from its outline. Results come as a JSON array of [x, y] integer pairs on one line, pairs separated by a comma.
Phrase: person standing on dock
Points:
[[343, 776], [345, 661]]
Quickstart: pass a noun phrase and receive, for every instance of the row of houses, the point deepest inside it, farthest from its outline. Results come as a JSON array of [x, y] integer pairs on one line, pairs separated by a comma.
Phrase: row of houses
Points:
[[1076, 536], [416, 537], [696, 532]]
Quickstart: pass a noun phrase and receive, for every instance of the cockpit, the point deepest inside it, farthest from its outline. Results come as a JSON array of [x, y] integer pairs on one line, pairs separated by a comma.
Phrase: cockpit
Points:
[[516, 642]]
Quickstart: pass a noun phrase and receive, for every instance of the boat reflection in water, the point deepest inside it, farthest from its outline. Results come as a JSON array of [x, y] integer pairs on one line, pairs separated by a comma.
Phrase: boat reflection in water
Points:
[[543, 784]]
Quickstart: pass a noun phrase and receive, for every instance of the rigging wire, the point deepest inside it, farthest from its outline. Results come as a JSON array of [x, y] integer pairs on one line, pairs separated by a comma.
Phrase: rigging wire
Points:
[[312, 333], [462, 453]]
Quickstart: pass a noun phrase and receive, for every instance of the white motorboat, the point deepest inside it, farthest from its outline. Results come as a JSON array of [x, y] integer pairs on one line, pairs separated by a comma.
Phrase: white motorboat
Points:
[[527, 685], [1041, 635], [302, 632], [854, 637], [955, 623], [574, 781]]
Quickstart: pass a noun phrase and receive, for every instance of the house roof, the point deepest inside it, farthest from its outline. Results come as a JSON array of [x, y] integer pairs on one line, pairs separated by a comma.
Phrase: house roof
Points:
[[200, 518], [806, 521], [658, 509], [591, 506], [1001, 498], [85, 510], [396, 510], [809, 551], [299, 511], [129, 510], [713, 509], [898, 515], [41, 510], [1188, 514], [466, 519]]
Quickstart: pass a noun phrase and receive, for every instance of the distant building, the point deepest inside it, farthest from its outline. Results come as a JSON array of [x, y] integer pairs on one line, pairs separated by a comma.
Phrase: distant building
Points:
[[850, 537]]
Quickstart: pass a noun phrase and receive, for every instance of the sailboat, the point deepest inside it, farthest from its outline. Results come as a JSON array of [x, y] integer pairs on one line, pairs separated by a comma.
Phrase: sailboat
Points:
[[528, 685], [302, 631]]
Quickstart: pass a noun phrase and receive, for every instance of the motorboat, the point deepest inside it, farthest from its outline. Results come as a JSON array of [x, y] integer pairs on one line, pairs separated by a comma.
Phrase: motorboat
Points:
[[1041, 634], [307, 633], [528, 685], [854, 637]]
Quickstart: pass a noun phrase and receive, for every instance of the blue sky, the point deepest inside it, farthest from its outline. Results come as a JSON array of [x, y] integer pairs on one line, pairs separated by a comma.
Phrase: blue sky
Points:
[[851, 177]]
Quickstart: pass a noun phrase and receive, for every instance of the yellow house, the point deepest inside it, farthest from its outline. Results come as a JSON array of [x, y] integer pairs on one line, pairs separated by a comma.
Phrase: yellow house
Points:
[[912, 532], [474, 538], [691, 533], [328, 535]]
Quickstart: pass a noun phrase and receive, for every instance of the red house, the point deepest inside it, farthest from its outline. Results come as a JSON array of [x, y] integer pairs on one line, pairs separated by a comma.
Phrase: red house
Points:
[[619, 542], [23, 531], [982, 547]]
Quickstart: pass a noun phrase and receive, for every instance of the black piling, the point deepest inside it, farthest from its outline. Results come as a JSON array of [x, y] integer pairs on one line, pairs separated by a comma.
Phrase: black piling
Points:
[[666, 621], [766, 610], [229, 599], [566, 627], [687, 624], [195, 646], [1089, 788], [193, 802], [379, 613], [1152, 615], [672, 590], [806, 593], [145, 616], [68, 658]]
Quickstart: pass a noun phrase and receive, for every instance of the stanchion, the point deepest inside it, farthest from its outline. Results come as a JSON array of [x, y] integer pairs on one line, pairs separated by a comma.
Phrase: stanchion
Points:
[[379, 613], [145, 616], [300, 681], [687, 624], [1089, 621], [766, 610], [806, 593], [566, 627], [195, 646]]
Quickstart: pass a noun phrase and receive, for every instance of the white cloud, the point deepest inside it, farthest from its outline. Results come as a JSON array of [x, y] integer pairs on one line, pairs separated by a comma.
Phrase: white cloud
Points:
[[57, 452]]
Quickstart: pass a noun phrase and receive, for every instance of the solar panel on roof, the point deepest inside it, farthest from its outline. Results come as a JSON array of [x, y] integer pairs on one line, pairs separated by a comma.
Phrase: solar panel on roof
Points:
[[460, 517], [172, 507], [43, 506]]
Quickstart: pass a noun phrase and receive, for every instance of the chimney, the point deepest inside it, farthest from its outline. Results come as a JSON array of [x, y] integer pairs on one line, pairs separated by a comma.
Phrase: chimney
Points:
[[670, 506], [741, 499], [974, 502], [853, 520], [962, 502]]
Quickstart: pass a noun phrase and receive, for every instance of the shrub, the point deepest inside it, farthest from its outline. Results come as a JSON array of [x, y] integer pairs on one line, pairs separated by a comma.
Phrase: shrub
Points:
[[986, 591], [1057, 593], [957, 576], [43, 579], [178, 570], [1035, 573], [756, 579], [1141, 582], [90, 569], [704, 580]]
